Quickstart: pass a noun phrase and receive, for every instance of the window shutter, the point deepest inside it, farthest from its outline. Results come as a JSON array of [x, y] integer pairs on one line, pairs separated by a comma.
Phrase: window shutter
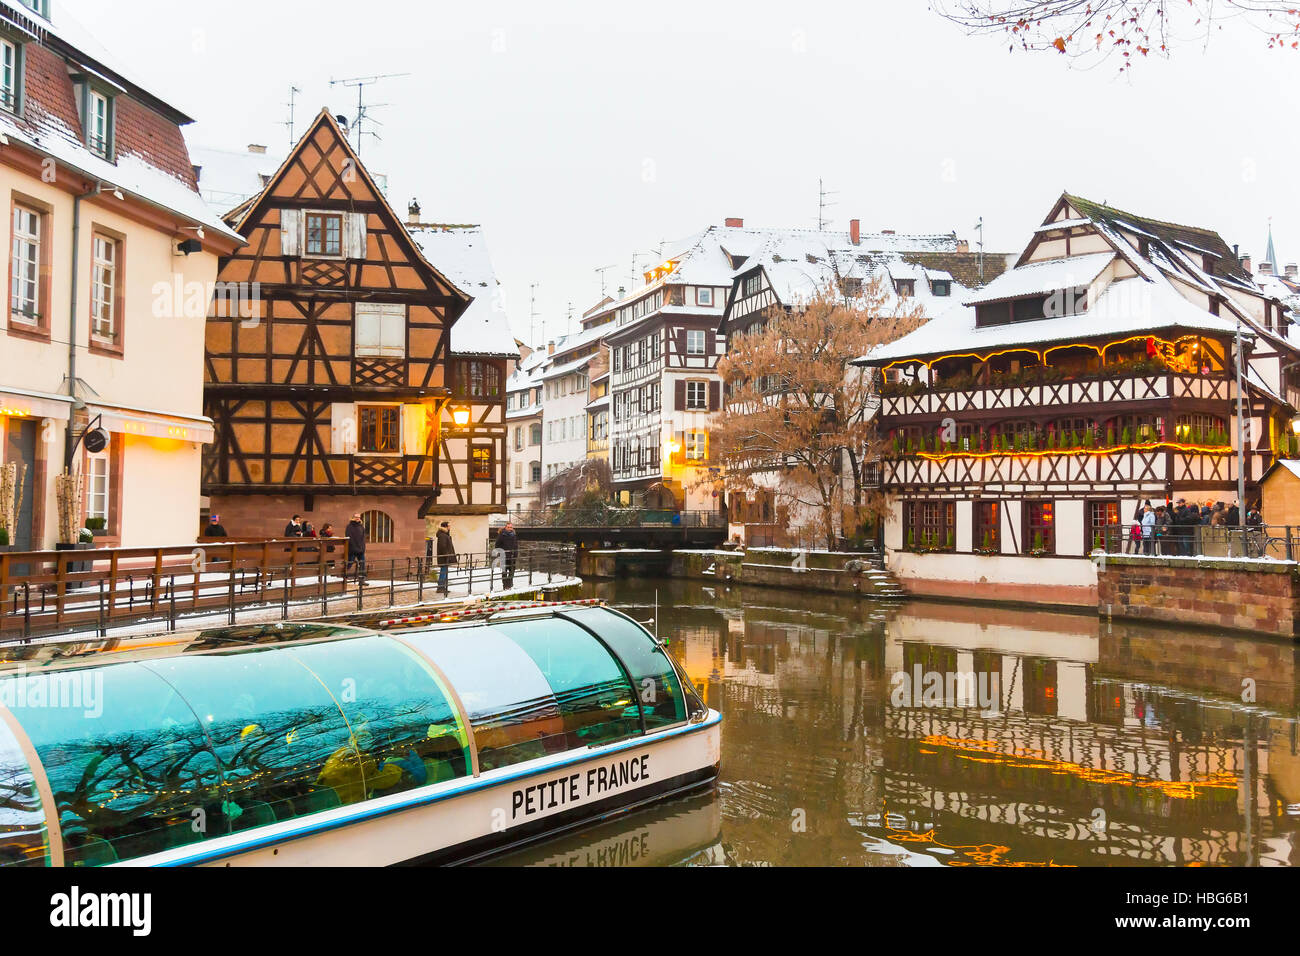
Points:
[[679, 390], [413, 430], [343, 428], [354, 235], [393, 332], [369, 334], [715, 395], [291, 232]]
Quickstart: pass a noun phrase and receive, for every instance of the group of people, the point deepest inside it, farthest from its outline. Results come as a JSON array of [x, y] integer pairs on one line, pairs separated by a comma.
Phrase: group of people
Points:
[[1169, 528]]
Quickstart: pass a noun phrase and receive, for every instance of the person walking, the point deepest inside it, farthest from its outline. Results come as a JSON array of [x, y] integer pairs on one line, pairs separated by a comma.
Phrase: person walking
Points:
[[355, 532], [446, 556], [508, 541]]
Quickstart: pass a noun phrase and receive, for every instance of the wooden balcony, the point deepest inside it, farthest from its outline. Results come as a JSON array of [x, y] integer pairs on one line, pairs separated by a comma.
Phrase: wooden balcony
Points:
[[1079, 391]]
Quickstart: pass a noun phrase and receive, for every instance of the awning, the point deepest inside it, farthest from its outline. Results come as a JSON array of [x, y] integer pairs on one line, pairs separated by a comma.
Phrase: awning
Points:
[[21, 403], [147, 423]]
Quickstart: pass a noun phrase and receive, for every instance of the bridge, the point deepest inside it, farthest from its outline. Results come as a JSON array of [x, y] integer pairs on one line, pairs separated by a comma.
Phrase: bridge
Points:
[[609, 526]]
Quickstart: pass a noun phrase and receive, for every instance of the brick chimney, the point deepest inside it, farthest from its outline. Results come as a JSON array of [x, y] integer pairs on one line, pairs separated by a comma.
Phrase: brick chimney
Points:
[[1245, 264], [963, 245], [886, 232], [413, 213], [734, 223], [1291, 270], [1266, 268], [855, 231], [257, 148], [550, 347]]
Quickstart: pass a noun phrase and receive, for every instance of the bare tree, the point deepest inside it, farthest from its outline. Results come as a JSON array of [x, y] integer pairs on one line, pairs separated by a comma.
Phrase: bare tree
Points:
[[799, 417], [588, 481], [1129, 29]]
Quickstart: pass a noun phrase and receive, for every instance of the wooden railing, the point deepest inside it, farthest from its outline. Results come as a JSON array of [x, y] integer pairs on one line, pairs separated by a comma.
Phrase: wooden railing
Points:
[[57, 591]]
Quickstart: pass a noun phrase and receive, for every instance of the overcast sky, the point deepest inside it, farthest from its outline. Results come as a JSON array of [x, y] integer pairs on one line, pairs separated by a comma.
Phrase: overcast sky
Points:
[[579, 134]]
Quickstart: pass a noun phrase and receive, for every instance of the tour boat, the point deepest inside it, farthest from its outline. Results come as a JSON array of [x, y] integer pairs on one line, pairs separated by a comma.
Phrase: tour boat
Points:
[[323, 744]]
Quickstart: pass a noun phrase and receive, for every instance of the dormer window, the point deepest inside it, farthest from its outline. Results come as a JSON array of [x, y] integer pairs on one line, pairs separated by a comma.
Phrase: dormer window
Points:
[[95, 107], [941, 287], [10, 74], [1062, 302], [905, 287], [40, 7]]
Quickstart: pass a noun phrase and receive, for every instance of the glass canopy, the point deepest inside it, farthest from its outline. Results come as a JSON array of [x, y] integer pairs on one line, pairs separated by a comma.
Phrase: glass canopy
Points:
[[139, 754]]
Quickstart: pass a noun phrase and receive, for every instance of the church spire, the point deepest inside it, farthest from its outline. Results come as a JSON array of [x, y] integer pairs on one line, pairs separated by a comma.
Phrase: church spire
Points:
[[1270, 256]]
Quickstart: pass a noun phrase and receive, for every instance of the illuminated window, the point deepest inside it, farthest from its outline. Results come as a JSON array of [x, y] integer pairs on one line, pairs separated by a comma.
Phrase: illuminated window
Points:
[[697, 446], [987, 529], [1040, 526], [324, 234], [1101, 515], [481, 463]]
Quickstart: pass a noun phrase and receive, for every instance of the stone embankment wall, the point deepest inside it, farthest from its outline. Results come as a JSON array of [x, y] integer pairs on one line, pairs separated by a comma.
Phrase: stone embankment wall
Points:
[[827, 572], [1259, 597]]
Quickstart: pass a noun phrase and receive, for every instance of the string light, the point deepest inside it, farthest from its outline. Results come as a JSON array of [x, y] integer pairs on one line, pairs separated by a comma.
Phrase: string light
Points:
[[1044, 452]]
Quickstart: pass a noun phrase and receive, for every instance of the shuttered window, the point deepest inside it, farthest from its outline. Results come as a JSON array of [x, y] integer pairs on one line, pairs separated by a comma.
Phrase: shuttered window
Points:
[[380, 329]]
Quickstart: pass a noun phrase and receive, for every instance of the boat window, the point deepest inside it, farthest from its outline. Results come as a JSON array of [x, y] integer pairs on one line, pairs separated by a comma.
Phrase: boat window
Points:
[[660, 693], [24, 840], [129, 765], [405, 729], [284, 745], [510, 705], [596, 701]]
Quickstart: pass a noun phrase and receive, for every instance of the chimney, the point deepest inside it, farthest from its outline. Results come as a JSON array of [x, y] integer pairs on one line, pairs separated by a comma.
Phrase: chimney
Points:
[[1245, 264], [621, 292], [886, 232], [413, 213], [257, 148], [550, 347], [855, 233], [1266, 268], [1291, 270], [963, 245], [734, 223]]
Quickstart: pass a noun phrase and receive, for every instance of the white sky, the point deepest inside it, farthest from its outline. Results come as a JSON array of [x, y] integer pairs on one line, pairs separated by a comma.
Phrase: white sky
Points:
[[578, 134]]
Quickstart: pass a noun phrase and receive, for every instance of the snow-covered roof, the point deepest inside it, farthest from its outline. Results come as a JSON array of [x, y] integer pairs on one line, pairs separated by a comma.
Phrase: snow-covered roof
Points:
[[1290, 464], [228, 177], [1126, 307], [558, 371], [460, 253], [1036, 278]]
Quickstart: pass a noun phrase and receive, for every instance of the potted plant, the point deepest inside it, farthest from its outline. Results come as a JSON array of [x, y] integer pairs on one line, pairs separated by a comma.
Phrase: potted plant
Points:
[[97, 526], [1039, 549]]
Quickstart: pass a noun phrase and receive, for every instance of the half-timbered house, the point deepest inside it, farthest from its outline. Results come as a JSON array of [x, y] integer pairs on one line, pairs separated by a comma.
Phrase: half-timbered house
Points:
[[1029, 422], [348, 389]]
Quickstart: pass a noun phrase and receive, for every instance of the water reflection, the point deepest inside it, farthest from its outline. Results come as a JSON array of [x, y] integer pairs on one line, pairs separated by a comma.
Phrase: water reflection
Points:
[[943, 735]]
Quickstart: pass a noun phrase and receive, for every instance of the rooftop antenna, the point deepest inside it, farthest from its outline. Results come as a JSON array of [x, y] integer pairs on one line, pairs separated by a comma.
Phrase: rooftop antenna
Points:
[[822, 204], [979, 244], [293, 92], [532, 313], [568, 323], [601, 272], [363, 110]]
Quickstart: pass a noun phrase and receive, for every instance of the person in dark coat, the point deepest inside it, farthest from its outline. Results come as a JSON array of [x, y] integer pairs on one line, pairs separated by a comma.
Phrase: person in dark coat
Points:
[[214, 528], [1233, 517], [508, 541], [355, 532], [446, 556], [294, 528]]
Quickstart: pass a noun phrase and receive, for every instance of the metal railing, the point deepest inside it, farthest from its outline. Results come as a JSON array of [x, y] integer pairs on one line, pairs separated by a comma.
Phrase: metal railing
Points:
[[611, 517], [1281, 542], [45, 593]]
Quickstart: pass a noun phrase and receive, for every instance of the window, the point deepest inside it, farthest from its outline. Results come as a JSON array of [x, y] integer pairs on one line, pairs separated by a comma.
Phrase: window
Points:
[[519, 439], [10, 72], [697, 395], [379, 527], [930, 525], [537, 471], [41, 7], [752, 285], [535, 433], [25, 288], [1102, 515], [378, 431], [324, 234], [380, 329], [942, 287], [477, 379], [1040, 527], [704, 296], [481, 463], [987, 529], [697, 445], [99, 123], [905, 287], [103, 287], [695, 342], [97, 477]]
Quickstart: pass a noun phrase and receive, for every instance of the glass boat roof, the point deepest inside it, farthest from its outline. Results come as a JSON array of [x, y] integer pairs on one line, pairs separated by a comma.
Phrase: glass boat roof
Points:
[[115, 750]]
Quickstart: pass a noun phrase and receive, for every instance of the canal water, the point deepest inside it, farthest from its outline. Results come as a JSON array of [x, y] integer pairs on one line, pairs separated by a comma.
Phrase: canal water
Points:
[[949, 735]]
